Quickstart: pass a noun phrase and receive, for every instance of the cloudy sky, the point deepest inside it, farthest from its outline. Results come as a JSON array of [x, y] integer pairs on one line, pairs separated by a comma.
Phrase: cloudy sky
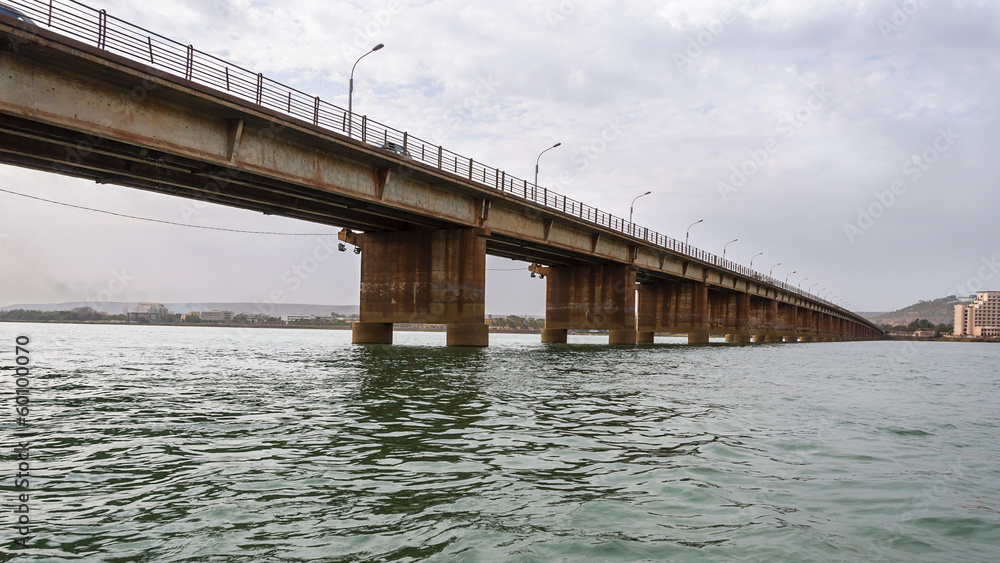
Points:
[[853, 141]]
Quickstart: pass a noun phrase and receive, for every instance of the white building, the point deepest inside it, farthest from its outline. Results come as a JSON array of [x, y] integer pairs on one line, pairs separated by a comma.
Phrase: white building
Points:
[[979, 318], [217, 316], [149, 311]]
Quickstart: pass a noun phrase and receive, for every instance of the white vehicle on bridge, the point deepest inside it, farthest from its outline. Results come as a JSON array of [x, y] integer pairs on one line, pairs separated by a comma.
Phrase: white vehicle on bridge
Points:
[[15, 13]]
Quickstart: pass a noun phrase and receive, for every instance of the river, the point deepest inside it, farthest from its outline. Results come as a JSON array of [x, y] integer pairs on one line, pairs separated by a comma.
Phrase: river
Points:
[[167, 444]]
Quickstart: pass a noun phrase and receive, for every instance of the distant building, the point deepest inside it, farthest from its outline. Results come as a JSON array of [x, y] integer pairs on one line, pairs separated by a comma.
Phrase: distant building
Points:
[[191, 315], [981, 317], [149, 311], [217, 316]]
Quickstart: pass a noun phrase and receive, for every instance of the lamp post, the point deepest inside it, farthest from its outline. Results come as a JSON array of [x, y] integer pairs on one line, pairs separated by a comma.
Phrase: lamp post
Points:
[[752, 257], [789, 274], [632, 206], [688, 233], [772, 269], [350, 90], [811, 287], [724, 248], [799, 287], [539, 158]]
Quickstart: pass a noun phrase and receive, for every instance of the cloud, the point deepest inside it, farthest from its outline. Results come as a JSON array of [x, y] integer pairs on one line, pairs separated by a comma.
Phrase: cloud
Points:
[[559, 71]]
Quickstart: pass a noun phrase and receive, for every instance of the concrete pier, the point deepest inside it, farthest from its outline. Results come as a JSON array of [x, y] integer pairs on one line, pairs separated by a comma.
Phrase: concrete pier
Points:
[[426, 276]]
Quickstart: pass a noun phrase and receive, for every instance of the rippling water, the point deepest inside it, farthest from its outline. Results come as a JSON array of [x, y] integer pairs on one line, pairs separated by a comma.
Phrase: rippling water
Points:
[[211, 444]]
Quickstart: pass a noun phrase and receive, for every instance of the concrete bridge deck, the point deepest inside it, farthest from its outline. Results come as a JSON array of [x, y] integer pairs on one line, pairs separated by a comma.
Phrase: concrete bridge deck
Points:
[[162, 117]]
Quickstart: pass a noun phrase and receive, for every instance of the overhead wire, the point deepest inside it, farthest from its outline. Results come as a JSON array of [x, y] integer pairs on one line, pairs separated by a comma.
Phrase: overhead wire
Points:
[[164, 221]]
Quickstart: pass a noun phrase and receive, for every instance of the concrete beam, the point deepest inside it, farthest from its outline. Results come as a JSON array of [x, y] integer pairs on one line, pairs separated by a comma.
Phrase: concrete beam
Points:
[[436, 277], [590, 298]]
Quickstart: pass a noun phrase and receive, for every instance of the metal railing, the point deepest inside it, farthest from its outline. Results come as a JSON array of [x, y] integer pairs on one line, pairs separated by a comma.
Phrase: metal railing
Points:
[[113, 35]]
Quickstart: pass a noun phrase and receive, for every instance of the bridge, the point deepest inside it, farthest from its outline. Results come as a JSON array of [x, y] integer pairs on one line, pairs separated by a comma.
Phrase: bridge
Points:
[[87, 95]]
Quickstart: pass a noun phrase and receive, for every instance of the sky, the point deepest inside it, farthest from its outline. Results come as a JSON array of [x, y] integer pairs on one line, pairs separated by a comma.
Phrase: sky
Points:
[[852, 142]]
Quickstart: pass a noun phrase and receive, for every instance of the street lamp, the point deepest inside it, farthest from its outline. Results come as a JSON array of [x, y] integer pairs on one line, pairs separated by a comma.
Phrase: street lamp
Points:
[[350, 90], [789, 274], [688, 233], [632, 205], [724, 248], [799, 287], [772, 269], [754, 256], [539, 158], [811, 287]]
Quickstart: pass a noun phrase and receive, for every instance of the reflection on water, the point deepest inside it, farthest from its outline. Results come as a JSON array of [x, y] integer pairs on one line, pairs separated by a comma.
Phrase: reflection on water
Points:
[[165, 444]]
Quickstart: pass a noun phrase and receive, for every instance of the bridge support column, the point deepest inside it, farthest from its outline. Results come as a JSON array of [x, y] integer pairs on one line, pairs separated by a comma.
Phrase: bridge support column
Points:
[[371, 333], [468, 334], [738, 319], [680, 306], [770, 334], [436, 277], [698, 314], [554, 335], [591, 298], [806, 325], [788, 321], [645, 337]]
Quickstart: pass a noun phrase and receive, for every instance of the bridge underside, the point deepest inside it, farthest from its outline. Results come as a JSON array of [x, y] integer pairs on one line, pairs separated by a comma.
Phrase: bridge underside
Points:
[[71, 109]]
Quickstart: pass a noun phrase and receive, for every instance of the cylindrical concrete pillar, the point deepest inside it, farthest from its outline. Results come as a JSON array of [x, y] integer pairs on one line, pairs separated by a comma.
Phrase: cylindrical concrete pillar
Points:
[[698, 337], [468, 334], [371, 333], [554, 335], [622, 337]]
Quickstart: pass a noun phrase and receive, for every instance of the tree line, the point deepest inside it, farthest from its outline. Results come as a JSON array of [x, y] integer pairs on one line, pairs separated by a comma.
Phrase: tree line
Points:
[[920, 324]]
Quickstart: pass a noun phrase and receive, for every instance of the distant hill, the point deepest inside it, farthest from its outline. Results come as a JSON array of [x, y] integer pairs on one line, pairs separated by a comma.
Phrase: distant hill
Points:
[[937, 311], [275, 310]]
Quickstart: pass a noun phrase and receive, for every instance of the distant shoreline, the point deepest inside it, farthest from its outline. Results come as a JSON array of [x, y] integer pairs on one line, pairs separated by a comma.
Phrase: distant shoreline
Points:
[[402, 327]]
